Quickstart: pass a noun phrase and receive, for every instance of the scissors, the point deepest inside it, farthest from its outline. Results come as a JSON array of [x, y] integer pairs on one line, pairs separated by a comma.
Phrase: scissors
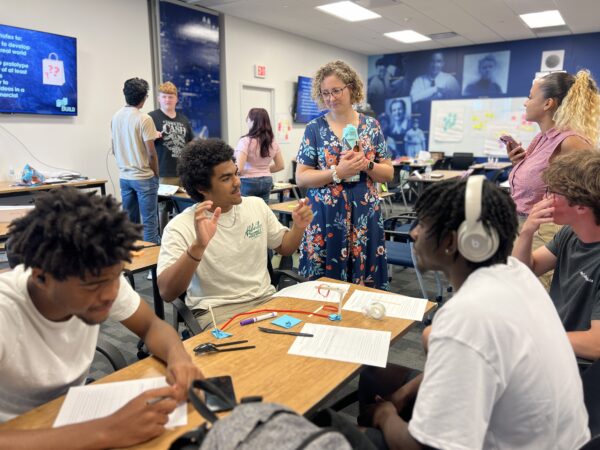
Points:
[[209, 347]]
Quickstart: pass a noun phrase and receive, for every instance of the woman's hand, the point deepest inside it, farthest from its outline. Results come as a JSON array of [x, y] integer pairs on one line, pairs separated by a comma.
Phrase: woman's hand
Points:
[[351, 163]]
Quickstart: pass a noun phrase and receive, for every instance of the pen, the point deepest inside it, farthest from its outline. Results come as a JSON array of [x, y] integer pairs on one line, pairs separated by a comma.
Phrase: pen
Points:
[[258, 318], [155, 400]]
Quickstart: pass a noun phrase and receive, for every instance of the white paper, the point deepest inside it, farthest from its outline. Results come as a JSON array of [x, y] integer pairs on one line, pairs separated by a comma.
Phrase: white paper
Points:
[[94, 401], [309, 291], [167, 189], [355, 345], [398, 306]]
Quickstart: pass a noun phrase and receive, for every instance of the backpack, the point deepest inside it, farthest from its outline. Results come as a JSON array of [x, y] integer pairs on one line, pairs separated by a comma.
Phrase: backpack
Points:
[[256, 425]]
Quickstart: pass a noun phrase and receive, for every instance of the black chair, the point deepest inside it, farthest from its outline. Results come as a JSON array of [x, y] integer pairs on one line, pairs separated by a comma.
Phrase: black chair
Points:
[[183, 315], [301, 190], [461, 161], [591, 396]]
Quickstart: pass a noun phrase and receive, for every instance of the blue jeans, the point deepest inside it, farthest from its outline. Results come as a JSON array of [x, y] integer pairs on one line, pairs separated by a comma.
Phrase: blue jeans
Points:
[[142, 196], [257, 187]]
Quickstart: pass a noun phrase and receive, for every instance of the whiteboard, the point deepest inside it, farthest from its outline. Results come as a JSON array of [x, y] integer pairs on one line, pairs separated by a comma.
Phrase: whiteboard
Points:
[[474, 125]]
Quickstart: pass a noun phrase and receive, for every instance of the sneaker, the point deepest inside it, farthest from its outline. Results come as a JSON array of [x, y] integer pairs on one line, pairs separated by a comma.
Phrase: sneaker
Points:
[[149, 276]]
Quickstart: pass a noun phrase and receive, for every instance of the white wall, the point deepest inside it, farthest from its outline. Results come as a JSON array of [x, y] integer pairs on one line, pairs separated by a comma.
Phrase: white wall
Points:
[[113, 44], [286, 56]]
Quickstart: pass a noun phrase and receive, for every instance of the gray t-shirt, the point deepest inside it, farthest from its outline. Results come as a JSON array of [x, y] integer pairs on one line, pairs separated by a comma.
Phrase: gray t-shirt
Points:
[[575, 288]]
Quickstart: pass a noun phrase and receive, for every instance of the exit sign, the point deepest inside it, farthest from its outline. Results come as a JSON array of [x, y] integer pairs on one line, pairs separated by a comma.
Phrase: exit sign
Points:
[[260, 71]]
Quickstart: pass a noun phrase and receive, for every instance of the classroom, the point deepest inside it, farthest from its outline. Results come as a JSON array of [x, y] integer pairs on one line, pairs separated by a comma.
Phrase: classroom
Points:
[[422, 176]]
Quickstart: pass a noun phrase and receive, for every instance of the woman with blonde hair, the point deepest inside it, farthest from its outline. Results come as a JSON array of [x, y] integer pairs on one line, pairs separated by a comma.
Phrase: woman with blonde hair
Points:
[[258, 156], [345, 240], [567, 109]]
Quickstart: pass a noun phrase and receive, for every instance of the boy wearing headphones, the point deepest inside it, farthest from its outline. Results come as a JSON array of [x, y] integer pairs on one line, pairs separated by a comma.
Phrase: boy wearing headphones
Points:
[[500, 372], [572, 199]]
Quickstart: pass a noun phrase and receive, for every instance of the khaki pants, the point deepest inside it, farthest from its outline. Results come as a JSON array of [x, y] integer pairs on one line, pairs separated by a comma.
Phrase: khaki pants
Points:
[[541, 237], [225, 312]]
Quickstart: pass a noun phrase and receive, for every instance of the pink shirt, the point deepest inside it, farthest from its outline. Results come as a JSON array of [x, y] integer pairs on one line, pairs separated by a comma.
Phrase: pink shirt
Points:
[[526, 185], [256, 165]]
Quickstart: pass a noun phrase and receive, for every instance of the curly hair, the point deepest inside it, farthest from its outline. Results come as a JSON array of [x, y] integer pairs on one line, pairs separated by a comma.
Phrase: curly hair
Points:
[[167, 88], [346, 74], [135, 91], [196, 162], [578, 102], [73, 233], [442, 206], [576, 176]]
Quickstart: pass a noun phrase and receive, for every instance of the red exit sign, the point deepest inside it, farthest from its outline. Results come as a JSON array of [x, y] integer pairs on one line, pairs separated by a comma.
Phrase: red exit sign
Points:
[[260, 71]]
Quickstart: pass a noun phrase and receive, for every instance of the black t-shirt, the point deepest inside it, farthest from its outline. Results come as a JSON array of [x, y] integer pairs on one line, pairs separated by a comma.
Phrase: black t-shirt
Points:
[[575, 288], [175, 134]]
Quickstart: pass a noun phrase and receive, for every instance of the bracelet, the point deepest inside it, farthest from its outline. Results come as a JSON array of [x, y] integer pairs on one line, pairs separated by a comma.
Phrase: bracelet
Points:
[[187, 250]]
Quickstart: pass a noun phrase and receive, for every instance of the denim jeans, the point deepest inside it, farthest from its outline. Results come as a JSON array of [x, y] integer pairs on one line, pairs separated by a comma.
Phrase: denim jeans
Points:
[[257, 187], [141, 196]]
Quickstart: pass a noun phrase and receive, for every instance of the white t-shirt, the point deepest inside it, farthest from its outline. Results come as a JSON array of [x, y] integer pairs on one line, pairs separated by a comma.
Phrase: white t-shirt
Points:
[[234, 265], [41, 359], [130, 129], [500, 373]]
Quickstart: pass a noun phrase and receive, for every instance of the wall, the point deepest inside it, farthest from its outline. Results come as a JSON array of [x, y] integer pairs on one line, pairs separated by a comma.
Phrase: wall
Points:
[[286, 56], [113, 44]]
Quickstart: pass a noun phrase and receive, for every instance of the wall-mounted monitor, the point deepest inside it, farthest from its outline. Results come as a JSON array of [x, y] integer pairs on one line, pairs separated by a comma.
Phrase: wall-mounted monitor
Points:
[[305, 108], [38, 72]]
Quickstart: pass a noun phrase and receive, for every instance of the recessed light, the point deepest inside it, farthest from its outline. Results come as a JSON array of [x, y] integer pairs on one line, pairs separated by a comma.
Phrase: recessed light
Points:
[[543, 19], [349, 11], [407, 36]]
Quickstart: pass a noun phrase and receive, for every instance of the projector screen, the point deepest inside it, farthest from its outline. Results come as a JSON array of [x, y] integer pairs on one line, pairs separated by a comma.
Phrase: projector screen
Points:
[[38, 72]]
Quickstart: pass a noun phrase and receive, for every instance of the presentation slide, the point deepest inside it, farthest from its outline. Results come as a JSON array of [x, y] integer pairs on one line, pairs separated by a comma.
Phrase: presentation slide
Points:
[[306, 108], [38, 72], [474, 125]]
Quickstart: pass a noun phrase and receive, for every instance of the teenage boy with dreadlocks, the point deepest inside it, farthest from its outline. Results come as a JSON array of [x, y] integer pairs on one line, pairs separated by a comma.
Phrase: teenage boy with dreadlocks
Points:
[[72, 247], [500, 372]]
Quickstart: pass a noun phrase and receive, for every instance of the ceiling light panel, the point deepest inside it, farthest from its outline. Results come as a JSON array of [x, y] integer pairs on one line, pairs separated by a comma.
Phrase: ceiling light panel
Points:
[[349, 11]]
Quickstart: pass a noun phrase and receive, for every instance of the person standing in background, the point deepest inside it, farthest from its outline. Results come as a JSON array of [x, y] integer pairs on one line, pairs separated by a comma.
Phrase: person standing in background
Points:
[[258, 156], [567, 109], [345, 239], [133, 135], [175, 131]]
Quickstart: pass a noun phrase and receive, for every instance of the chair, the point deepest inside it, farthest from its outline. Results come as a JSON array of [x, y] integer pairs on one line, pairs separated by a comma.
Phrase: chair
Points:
[[182, 314], [399, 249], [398, 183], [181, 203], [302, 190], [594, 444], [591, 397], [461, 161]]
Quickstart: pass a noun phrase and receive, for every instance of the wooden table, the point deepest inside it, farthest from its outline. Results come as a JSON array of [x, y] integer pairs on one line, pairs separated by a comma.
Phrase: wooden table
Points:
[[6, 190], [10, 213], [304, 384], [147, 259], [280, 188]]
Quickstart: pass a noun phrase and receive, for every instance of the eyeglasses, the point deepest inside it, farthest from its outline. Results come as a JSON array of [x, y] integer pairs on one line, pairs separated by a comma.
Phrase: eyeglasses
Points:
[[550, 193], [335, 92]]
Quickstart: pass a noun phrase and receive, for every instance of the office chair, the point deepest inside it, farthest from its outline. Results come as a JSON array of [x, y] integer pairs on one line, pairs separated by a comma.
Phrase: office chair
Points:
[[399, 249], [182, 314], [181, 203], [461, 161], [591, 396], [301, 190], [398, 183]]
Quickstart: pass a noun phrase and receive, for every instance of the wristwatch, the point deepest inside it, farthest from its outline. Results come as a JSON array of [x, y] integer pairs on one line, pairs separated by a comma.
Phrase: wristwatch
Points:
[[336, 179], [370, 165]]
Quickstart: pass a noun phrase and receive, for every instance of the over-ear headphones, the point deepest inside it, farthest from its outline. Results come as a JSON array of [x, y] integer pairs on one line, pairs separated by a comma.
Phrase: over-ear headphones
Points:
[[475, 242]]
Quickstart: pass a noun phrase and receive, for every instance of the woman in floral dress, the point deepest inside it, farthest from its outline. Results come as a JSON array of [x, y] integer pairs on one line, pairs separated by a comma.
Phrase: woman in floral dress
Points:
[[345, 240]]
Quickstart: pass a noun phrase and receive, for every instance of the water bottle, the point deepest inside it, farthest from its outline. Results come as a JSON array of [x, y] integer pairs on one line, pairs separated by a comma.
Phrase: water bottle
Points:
[[428, 171]]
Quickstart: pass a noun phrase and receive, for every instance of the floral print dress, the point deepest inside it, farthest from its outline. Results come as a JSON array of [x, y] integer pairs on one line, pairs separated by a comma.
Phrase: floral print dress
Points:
[[345, 240]]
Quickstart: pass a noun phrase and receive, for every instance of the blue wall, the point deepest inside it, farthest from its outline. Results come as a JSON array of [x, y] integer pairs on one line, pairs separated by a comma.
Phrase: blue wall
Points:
[[513, 74]]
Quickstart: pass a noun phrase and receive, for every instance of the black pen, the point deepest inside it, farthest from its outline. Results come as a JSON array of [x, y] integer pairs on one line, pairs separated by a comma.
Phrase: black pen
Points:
[[291, 333]]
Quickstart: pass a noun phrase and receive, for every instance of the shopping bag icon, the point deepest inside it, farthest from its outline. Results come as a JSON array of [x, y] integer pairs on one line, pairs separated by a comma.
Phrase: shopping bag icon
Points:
[[53, 70]]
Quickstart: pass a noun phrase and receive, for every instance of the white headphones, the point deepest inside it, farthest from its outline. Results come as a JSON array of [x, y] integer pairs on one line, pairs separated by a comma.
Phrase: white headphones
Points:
[[375, 310], [475, 242]]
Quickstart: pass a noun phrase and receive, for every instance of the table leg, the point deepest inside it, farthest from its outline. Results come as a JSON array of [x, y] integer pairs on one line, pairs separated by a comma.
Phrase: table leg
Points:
[[159, 307]]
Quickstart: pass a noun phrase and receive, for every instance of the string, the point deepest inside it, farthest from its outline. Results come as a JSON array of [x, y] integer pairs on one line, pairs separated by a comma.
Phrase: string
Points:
[[272, 310]]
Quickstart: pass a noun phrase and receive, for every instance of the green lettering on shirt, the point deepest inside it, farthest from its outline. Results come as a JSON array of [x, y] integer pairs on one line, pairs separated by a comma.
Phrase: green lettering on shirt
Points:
[[254, 230]]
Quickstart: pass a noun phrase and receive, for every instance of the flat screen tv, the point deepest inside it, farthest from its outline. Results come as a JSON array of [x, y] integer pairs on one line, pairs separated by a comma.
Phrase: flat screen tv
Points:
[[305, 108], [38, 72]]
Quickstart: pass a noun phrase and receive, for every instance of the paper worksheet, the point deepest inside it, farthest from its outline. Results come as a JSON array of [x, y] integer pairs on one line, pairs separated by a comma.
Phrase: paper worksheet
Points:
[[398, 306], [356, 345], [315, 290], [94, 401]]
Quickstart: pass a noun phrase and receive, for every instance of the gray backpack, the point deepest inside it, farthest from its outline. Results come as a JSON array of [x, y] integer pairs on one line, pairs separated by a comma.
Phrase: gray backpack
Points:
[[255, 425]]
